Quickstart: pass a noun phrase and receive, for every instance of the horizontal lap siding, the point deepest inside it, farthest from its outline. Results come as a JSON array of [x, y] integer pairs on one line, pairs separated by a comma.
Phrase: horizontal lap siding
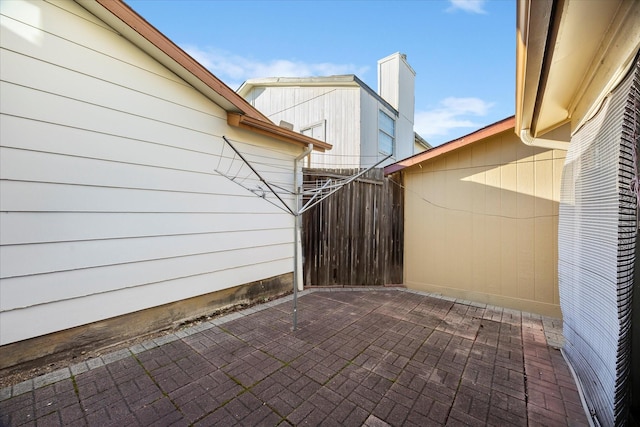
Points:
[[17, 260], [27, 227], [110, 202]]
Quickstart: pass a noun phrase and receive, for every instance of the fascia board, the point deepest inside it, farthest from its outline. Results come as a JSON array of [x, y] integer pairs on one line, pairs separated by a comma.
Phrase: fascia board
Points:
[[142, 34], [481, 134], [267, 128]]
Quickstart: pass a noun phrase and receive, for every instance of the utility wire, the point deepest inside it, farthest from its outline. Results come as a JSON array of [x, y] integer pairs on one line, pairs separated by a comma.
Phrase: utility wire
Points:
[[302, 102], [416, 194]]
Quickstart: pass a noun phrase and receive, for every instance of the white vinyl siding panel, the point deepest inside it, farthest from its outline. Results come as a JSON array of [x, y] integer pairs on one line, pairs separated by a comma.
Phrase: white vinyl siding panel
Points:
[[305, 106], [371, 108], [19, 228], [388, 81], [65, 285], [17, 260], [62, 314], [109, 196]]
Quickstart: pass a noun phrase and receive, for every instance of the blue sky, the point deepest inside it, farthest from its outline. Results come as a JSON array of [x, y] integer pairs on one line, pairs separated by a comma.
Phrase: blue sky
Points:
[[463, 51]]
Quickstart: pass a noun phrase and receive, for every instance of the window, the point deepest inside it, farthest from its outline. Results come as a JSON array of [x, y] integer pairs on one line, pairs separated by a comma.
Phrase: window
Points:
[[315, 130], [386, 133]]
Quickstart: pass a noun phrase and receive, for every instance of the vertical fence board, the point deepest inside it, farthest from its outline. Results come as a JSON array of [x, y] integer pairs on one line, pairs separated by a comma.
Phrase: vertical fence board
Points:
[[355, 237]]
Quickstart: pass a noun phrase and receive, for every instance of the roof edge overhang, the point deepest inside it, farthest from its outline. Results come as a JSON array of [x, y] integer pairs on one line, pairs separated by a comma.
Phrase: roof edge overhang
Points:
[[486, 132], [141, 33], [338, 80], [420, 140], [345, 81], [564, 68], [249, 123]]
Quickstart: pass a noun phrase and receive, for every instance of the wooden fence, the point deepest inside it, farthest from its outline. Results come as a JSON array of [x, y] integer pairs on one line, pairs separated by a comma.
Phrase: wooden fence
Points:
[[355, 236]]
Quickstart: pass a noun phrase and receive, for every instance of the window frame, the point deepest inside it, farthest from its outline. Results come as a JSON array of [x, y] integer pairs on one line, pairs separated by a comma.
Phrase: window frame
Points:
[[322, 124], [385, 133]]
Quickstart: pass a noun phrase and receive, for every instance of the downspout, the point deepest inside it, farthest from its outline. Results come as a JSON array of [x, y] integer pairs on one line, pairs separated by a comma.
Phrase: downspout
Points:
[[526, 137], [297, 259]]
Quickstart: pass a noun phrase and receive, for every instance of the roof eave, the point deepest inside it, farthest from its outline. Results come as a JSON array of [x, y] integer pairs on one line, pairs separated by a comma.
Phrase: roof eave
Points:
[[338, 80], [564, 69], [141, 33], [267, 128], [531, 33], [346, 80], [486, 132], [144, 35]]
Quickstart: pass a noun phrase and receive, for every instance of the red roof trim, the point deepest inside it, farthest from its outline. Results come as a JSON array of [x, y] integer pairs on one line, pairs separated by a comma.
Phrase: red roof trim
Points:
[[447, 147], [129, 16], [250, 117]]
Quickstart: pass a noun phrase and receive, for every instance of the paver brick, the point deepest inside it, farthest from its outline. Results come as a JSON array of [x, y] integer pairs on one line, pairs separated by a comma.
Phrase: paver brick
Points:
[[71, 413], [356, 417], [439, 412], [460, 418], [324, 402], [286, 403], [342, 411], [385, 357], [301, 412], [501, 418], [219, 417]]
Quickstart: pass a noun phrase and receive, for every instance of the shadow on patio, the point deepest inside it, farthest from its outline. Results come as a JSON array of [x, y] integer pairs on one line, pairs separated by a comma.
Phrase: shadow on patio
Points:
[[358, 357]]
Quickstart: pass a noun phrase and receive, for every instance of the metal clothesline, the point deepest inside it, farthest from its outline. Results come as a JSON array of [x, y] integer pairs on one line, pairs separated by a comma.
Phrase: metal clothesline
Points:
[[262, 188]]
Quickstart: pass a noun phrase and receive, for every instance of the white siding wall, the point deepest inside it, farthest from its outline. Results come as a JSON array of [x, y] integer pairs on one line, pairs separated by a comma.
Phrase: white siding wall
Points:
[[404, 138], [369, 123], [369, 126], [109, 199], [303, 106], [396, 84]]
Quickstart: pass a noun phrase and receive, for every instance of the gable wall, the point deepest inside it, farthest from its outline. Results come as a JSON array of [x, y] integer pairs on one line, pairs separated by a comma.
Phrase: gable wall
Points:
[[109, 199], [369, 129], [337, 107], [481, 224]]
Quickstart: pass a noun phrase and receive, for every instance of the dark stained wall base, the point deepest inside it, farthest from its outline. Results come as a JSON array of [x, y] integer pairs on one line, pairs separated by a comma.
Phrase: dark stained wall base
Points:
[[46, 349]]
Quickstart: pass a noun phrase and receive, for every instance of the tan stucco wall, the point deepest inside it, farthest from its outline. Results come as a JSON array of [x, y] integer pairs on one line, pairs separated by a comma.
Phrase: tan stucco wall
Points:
[[481, 224]]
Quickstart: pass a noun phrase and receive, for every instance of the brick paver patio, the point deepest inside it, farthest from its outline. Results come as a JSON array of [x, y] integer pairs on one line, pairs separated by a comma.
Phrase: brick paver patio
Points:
[[371, 357]]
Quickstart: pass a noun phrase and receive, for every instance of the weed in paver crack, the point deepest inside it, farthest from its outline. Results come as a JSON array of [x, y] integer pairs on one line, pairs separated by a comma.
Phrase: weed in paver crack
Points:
[[449, 409], [76, 390], [348, 364], [75, 386], [526, 388], [235, 380], [157, 385], [245, 390]]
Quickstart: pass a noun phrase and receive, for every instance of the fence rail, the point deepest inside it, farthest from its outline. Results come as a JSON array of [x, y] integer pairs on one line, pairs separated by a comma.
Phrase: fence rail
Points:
[[354, 237]]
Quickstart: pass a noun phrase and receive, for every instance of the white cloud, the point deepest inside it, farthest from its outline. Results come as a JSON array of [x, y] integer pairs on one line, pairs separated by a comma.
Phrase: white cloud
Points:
[[471, 6], [235, 69], [451, 114]]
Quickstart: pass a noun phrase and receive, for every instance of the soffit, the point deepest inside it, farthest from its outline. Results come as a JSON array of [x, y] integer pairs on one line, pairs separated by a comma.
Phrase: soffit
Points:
[[588, 46]]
